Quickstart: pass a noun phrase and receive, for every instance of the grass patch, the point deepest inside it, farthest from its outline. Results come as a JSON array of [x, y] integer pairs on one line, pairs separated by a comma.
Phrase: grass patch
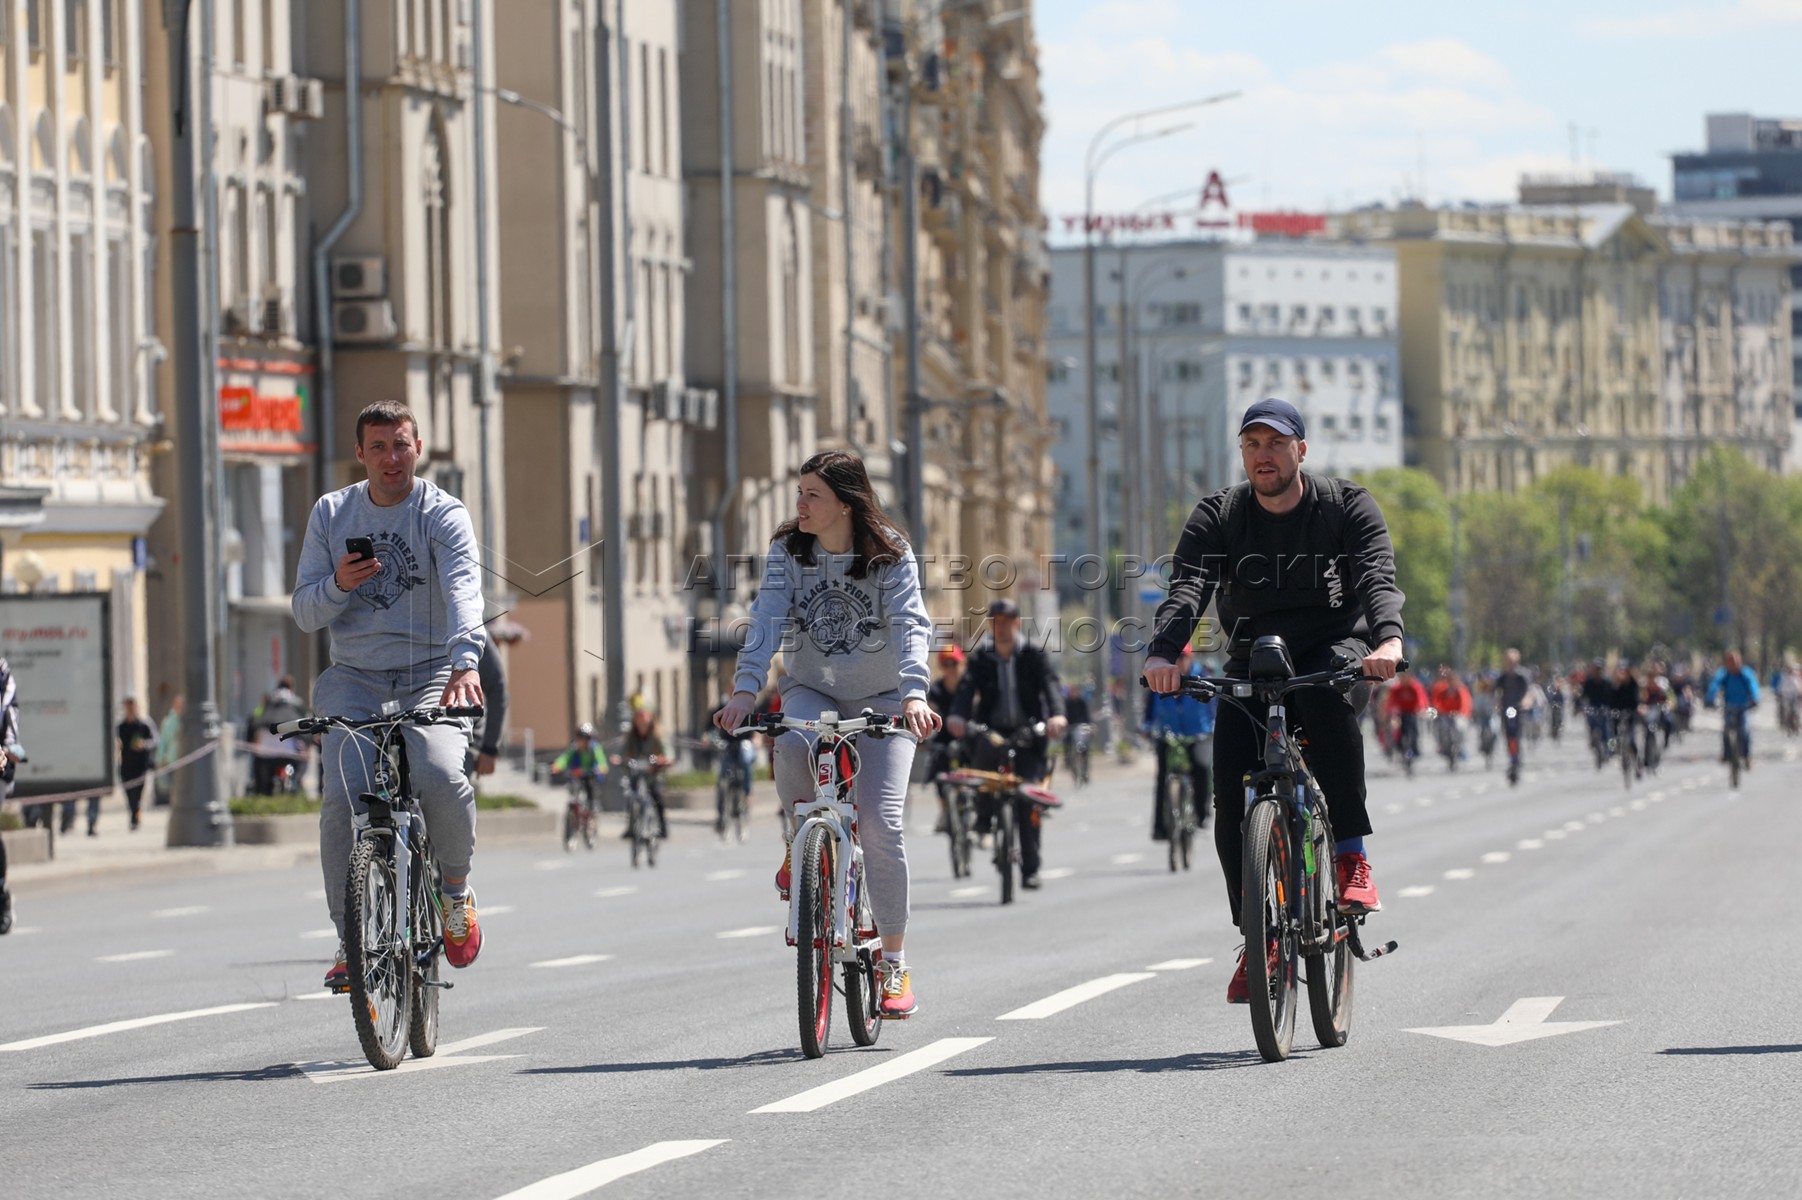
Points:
[[492, 800], [9, 821], [290, 805], [688, 781]]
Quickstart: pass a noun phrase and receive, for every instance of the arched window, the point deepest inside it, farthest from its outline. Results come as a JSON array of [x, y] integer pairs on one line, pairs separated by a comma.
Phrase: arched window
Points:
[[81, 150], [43, 144], [434, 179], [117, 163], [7, 148]]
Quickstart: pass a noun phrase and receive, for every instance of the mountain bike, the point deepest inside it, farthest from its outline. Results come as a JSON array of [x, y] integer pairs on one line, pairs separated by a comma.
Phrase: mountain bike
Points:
[[732, 805], [641, 809], [1178, 799], [830, 922], [393, 926], [1007, 797], [960, 822], [578, 814], [1291, 911], [1735, 717]]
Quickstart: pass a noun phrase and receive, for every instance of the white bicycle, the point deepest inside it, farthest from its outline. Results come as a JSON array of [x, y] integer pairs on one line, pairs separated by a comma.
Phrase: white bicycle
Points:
[[829, 919]]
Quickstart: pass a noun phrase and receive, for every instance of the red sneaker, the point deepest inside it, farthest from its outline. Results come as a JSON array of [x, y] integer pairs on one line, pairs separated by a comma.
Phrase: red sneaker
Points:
[[1357, 894], [1238, 991], [783, 878], [462, 931], [897, 991], [337, 980]]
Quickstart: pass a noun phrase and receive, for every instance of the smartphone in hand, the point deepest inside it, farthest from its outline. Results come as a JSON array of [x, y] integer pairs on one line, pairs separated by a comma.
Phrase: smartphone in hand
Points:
[[362, 548]]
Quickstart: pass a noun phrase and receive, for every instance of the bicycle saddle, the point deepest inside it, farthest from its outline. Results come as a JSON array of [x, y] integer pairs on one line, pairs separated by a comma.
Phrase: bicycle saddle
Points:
[[1270, 661]]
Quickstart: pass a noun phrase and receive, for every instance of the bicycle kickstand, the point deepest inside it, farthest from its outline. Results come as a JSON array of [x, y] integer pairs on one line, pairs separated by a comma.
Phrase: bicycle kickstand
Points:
[[1357, 943]]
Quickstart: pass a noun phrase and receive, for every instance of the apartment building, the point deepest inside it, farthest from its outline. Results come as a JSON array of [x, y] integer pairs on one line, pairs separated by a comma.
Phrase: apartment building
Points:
[[79, 421]]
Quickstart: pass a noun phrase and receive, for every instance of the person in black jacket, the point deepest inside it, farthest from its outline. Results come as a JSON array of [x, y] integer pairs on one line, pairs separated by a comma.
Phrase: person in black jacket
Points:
[[1309, 559], [1011, 683]]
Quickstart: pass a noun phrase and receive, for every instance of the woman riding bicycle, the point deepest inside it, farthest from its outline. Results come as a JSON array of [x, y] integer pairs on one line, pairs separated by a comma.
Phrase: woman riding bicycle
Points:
[[841, 598], [643, 742]]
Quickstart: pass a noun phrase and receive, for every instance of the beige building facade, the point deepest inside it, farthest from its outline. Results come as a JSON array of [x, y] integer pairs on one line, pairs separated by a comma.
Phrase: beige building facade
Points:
[[79, 425]]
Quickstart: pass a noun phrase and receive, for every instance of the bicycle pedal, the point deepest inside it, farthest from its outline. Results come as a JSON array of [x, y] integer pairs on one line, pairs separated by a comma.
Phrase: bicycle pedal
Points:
[[446, 984]]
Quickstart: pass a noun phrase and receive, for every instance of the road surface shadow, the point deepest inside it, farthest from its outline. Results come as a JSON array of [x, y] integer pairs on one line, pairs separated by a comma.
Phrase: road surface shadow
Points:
[[1733, 1050], [1224, 1060], [259, 1075], [761, 1058]]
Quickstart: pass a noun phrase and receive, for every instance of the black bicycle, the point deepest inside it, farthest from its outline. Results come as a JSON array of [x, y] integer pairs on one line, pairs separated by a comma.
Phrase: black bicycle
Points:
[[393, 927], [1180, 819], [1291, 910], [642, 828], [1008, 798]]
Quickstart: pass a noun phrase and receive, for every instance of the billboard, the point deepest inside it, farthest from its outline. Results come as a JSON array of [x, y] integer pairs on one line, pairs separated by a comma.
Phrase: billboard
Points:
[[59, 646]]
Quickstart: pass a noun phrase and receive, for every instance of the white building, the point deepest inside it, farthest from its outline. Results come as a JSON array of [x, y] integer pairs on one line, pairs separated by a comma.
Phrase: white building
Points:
[[1212, 327], [78, 417]]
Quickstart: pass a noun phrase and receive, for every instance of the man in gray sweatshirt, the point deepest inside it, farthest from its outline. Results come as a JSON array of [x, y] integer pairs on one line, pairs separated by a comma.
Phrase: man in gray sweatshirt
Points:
[[406, 626]]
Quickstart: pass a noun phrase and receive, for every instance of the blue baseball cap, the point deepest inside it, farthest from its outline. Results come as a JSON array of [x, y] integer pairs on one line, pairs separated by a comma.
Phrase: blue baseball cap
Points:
[[1280, 415]]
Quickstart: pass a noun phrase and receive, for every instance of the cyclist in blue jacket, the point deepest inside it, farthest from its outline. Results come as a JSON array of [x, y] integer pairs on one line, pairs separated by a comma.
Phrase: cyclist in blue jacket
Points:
[[1737, 686], [1184, 717]]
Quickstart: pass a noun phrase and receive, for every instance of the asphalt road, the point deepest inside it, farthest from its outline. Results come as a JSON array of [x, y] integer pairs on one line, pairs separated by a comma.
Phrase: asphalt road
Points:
[[628, 1026]]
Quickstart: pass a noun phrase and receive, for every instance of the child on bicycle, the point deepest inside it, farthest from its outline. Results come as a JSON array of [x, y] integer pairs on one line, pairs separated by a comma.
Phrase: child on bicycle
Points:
[[583, 760]]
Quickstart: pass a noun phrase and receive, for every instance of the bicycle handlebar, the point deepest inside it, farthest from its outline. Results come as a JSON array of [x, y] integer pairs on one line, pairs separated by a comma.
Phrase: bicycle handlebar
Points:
[[1206, 687], [419, 716], [1024, 735], [868, 721]]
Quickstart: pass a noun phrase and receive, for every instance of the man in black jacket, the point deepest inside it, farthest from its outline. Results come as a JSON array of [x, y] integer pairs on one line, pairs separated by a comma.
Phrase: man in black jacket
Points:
[[1308, 559], [1010, 683]]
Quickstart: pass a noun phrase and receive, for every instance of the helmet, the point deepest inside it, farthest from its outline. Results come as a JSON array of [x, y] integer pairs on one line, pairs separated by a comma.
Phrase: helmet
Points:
[[585, 730]]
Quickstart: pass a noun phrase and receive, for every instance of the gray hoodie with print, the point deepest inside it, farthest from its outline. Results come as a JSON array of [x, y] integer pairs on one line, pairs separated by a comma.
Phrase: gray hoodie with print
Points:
[[423, 609], [851, 639]]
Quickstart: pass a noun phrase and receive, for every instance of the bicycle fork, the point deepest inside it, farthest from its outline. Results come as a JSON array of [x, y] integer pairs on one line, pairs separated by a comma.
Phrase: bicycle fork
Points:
[[843, 935]]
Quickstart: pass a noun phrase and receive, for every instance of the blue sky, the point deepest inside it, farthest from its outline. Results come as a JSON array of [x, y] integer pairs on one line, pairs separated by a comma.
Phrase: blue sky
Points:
[[1346, 103]]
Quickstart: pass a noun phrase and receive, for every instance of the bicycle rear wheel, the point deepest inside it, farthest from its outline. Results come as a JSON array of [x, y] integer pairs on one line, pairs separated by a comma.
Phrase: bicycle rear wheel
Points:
[[375, 956], [1267, 931], [1004, 847], [739, 829], [1330, 973], [863, 1000], [1173, 818], [428, 944], [813, 941]]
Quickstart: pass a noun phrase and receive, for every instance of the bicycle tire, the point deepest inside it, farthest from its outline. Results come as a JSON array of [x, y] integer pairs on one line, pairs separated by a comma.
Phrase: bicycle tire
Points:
[[374, 952], [1330, 974], [428, 943], [813, 942], [740, 823], [569, 828], [588, 829], [1004, 847], [863, 999], [1173, 818], [1733, 758], [1189, 827], [1267, 915], [633, 822], [954, 836]]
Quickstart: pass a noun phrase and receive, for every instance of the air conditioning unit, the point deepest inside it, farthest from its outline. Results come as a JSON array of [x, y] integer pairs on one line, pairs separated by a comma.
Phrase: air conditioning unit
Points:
[[275, 311], [700, 406], [636, 526], [364, 277], [311, 106], [363, 321], [241, 317], [294, 96], [666, 401]]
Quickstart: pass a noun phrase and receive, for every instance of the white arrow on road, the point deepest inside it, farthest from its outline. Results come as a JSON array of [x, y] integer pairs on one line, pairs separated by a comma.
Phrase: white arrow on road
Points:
[[1524, 1021]]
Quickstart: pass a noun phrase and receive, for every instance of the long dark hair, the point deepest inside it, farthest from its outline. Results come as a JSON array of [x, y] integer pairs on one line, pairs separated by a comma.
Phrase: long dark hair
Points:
[[874, 539]]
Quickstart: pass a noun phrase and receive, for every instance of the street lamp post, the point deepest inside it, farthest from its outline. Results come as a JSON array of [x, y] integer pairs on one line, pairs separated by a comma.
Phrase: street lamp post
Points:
[[1100, 150]]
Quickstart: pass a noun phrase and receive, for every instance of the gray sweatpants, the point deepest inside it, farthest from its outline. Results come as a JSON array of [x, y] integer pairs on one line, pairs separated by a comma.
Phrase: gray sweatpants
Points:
[[880, 791], [434, 766]]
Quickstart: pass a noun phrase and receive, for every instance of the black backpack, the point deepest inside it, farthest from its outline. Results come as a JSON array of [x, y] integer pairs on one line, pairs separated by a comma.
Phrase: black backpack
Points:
[[1332, 504]]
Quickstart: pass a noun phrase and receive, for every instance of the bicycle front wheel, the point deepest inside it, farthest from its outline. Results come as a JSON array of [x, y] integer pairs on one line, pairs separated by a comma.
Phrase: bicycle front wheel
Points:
[[1330, 975], [1270, 952], [1187, 810], [813, 940], [428, 944], [863, 1000], [375, 956]]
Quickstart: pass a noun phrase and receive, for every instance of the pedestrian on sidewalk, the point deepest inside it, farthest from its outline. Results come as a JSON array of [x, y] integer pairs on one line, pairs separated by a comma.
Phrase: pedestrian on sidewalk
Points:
[[168, 748], [137, 753], [9, 738]]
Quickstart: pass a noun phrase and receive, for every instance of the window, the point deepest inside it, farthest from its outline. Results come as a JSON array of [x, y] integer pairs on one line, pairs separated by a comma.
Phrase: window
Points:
[[239, 58], [121, 360], [1245, 314], [1273, 314], [1298, 314], [44, 341], [1328, 370], [1245, 373], [1056, 371], [435, 196], [75, 29], [1356, 421], [111, 13], [81, 321], [1182, 314], [1330, 423], [663, 108], [268, 35], [1379, 317], [1354, 317], [1382, 379], [1326, 316], [9, 299]]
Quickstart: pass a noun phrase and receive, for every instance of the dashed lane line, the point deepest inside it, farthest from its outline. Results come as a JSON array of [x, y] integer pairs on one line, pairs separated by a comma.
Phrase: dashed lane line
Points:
[[966, 893], [1619, 810], [318, 935], [608, 893], [929, 1055], [135, 956], [1419, 889], [749, 931], [595, 1175], [1179, 964], [1057, 873], [1529, 844], [723, 876], [574, 960], [1461, 873], [1126, 860], [93, 1031], [451, 1054], [192, 910], [1070, 997], [1497, 856], [489, 1039]]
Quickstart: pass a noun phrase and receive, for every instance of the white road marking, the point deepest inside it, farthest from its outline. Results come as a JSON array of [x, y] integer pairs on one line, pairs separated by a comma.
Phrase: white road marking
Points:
[[1424, 801], [1638, 806], [1479, 789], [551, 864], [1460, 873], [488, 1039], [929, 1055], [1574, 826], [1618, 811], [1125, 860], [574, 960], [1595, 818], [1455, 794], [1524, 1021], [1419, 889], [1497, 856], [1070, 997], [722, 876], [1179, 964], [76, 1035], [1654, 797], [1057, 873], [595, 1175], [1528, 844], [495, 910], [965, 893], [1554, 835], [318, 935], [1392, 809], [134, 956], [750, 931], [320, 995], [193, 910], [315, 894], [609, 893]]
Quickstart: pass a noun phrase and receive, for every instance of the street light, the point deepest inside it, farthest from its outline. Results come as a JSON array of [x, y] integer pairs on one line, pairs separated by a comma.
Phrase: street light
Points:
[[1100, 150]]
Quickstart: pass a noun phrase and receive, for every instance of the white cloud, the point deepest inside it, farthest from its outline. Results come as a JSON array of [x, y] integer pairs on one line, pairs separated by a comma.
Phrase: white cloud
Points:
[[1697, 22], [1448, 60]]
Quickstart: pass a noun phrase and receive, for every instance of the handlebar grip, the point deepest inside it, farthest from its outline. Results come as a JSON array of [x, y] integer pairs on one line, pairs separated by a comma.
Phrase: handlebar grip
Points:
[[468, 710], [288, 729]]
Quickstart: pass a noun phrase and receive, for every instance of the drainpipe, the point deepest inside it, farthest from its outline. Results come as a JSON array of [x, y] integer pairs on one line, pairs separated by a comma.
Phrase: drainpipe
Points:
[[847, 187], [484, 330], [728, 304], [620, 329], [353, 206]]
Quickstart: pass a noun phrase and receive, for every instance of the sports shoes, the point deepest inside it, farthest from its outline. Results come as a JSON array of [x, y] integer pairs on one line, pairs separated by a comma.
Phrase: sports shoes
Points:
[[892, 981], [1238, 988], [1030, 882], [1357, 894], [338, 978], [783, 876], [6, 909], [462, 931]]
